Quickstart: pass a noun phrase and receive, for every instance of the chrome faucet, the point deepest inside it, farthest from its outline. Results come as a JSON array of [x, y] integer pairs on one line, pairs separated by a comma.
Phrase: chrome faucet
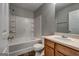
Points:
[[64, 36]]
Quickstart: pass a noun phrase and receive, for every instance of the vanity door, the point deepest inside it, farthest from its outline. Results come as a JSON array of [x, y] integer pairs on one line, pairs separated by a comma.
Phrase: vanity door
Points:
[[49, 48], [66, 50], [49, 51], [58, 53]]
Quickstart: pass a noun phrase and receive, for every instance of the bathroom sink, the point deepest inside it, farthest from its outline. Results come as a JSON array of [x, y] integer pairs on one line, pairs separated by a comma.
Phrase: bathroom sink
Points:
[[73, 39], [61, 38], [66, 38]]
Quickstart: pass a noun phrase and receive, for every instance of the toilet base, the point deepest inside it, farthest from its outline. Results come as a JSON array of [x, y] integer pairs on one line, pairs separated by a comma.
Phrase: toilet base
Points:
[[37, 53]]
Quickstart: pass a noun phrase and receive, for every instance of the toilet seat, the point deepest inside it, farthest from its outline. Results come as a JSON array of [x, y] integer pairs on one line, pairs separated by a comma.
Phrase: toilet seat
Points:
[[38, 47]]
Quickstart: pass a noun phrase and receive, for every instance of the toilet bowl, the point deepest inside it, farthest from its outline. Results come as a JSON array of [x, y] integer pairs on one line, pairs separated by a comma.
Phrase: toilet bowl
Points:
[[38, 48]]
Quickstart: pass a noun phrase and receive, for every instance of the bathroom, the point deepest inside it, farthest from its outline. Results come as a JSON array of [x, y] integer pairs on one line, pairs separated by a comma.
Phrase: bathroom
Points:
[[39, 29], [24, 26]]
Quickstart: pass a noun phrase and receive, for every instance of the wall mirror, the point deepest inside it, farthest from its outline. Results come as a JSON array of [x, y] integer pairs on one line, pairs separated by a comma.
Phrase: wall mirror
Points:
[[67, 18]]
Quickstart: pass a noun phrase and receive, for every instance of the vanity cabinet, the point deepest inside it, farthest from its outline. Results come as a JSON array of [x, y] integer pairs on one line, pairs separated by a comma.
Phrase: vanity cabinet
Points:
[[66, 50], [56, 49], [57, 53], [49, 48], [49, 51]]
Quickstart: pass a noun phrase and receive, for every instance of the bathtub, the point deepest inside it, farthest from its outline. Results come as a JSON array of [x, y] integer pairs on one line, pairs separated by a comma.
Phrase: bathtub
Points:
[[21, 47]]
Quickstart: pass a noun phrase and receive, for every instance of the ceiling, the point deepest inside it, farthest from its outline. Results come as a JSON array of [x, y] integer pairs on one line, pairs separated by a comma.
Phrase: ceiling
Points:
[[29, 6], [59, 6], [34, 6]]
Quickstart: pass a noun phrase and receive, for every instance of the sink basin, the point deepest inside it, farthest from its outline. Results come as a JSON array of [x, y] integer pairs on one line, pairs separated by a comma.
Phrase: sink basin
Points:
[[61, 38], [67, 39], [73, 39]]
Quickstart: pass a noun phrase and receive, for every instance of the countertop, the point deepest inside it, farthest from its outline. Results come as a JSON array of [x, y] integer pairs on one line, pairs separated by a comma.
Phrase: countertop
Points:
[[68, 43]]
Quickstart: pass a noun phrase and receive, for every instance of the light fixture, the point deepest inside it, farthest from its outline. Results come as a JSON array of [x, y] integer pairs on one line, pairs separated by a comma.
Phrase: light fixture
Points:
[[54, 2]]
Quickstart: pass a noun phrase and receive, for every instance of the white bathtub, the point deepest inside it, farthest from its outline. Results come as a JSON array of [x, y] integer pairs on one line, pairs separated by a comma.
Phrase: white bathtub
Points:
[[21, 47]]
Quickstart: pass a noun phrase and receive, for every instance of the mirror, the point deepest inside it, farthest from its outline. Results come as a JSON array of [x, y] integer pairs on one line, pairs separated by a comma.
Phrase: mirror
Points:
[[74, 22], [67, 18]]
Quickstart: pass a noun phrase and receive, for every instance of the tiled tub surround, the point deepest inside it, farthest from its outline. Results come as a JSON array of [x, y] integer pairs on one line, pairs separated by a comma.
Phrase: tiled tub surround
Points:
[[24, 39]]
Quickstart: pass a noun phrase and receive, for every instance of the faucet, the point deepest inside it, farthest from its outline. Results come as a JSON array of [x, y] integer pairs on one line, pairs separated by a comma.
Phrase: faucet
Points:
[[63, 36]]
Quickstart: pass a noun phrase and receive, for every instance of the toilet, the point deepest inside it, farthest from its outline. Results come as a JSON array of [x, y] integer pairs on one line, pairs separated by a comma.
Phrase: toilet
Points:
[[38, 47]]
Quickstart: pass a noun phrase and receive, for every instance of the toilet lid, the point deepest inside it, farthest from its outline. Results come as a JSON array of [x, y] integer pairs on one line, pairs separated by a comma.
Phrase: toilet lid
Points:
[[38, 46]]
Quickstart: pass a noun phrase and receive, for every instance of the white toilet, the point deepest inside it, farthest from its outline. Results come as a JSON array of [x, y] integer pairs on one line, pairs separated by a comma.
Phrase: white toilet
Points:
[[38, 48]]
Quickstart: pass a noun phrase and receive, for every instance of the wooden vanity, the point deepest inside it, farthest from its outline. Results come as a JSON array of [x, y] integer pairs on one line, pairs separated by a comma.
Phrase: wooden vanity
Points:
[[53, 48]]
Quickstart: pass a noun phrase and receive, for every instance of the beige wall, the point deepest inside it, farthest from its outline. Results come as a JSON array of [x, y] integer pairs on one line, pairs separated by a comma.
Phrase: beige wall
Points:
[[47, 11]]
